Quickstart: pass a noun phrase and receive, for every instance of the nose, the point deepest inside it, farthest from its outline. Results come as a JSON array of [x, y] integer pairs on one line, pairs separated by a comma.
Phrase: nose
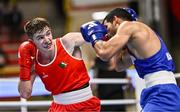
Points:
[[46, 40]]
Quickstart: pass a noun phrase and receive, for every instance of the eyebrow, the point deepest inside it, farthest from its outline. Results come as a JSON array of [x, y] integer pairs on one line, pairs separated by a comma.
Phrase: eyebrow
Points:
[[43, 34]]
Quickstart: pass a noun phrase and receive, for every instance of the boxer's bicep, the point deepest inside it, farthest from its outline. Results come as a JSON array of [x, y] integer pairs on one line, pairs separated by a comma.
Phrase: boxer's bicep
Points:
[[78, 39], [72, 40]]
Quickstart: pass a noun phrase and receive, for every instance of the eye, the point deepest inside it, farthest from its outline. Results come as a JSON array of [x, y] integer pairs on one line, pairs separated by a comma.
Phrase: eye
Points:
[[105, 26], [48, 33], [40, 38]]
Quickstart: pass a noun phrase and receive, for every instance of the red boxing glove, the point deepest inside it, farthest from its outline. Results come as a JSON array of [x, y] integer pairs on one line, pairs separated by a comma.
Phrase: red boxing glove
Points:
[[26, 55], [106, 38]]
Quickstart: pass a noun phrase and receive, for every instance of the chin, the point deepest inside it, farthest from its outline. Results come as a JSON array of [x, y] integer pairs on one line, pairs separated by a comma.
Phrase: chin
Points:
[[51, 48]]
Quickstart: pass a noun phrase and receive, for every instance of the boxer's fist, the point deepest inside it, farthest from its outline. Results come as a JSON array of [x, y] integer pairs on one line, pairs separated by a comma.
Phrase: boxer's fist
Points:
[[26, 55], [93, 31]]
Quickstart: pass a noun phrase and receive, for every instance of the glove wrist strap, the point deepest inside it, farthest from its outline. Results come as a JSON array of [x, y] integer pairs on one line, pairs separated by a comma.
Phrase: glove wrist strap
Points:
[[94, 39]]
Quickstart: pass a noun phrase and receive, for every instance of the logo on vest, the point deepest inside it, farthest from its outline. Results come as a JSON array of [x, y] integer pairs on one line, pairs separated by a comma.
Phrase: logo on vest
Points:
[[63, 65], [168, 56], [44, 75]]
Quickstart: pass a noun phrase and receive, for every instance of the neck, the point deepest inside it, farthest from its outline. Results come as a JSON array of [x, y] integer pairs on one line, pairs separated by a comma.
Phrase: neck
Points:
[[47, 56]]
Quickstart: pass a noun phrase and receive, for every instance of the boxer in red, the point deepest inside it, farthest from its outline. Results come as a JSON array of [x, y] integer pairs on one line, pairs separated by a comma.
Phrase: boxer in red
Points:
[[59, 64]]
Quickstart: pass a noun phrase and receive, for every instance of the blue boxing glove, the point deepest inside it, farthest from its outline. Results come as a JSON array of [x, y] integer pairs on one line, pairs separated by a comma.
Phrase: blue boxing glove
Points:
[[93, 31]]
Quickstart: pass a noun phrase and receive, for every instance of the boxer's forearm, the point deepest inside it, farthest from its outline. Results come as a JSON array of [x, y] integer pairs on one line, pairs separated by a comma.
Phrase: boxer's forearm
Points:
[[103, 50], [25, 87]]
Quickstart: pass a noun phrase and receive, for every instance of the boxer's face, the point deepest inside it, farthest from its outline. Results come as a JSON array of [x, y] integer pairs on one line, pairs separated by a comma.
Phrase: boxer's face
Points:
[[43, 39], [111, 28]]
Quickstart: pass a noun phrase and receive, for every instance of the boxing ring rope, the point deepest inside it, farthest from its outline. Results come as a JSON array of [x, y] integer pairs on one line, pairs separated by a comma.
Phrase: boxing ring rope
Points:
[[47, 103], [177, 75], [24, 104]]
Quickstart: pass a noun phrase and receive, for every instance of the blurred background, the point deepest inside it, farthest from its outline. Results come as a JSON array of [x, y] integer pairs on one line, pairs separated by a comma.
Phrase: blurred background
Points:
[[67, 16]]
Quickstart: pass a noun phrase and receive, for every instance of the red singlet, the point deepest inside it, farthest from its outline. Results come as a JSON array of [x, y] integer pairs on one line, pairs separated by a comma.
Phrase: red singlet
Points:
[[63, 73]]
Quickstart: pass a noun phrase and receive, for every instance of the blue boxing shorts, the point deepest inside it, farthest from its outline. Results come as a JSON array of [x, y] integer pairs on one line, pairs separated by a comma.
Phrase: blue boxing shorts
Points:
[[161, 98]]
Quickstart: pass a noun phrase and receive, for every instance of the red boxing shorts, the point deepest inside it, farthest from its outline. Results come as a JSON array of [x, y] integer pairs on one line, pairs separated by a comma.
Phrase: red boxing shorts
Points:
[[91, 105], [75, 101]]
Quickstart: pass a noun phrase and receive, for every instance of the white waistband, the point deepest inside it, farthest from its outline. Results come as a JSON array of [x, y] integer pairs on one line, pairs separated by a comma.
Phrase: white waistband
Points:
[[160, 77], [74, 96]]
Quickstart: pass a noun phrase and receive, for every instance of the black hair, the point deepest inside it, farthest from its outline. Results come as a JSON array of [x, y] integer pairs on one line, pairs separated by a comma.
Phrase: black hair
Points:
[[119, 12], [34, 25]]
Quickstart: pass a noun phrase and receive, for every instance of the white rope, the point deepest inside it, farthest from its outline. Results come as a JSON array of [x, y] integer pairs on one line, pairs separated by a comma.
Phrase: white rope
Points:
[[24, 104], [9, 80], [95, 80], [109, 81], [118, 102], [177, 75], [47, 103]]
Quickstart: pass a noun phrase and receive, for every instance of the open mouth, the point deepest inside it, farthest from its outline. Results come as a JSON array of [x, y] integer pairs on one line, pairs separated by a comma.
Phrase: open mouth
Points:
[[48, 45]]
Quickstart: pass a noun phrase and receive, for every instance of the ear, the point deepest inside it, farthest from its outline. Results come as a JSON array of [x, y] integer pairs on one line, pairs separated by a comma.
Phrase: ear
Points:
[[116, 19]]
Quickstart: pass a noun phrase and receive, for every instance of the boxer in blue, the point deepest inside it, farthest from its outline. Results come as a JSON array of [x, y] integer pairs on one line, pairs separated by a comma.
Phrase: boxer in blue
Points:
[[126, 41]]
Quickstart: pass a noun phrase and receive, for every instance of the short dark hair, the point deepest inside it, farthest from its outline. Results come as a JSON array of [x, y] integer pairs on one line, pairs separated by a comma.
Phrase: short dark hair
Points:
[[119, 12], [34, 25]]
